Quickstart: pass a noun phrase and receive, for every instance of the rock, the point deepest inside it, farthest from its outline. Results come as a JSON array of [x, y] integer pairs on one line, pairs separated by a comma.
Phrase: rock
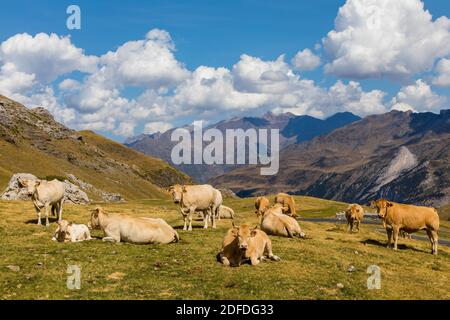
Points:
[[351, 269], [340, 286], [228, 193], [112, 197], [14, 191], [14, 268], [74, 194]]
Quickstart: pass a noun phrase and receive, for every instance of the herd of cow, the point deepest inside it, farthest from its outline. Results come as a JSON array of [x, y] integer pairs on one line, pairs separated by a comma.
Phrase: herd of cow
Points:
[[241, 243]]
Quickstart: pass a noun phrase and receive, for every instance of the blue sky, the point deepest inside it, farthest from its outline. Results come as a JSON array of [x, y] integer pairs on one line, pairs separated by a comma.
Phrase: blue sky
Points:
[[207, 33]]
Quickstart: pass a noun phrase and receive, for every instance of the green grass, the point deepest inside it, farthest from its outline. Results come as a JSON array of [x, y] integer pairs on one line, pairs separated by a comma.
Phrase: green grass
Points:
[[310, 269]]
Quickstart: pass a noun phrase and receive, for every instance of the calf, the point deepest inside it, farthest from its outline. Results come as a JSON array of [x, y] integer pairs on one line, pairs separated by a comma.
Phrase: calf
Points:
[[68, 231], [225, 212]]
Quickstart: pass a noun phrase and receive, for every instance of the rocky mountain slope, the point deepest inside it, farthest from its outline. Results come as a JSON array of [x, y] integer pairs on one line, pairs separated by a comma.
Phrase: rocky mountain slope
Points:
[[292, 128], [402, 156], [32, 141]]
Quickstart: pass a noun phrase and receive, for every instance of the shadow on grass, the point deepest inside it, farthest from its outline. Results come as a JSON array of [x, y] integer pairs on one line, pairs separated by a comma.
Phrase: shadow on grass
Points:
[[35, 221], [384, 245]]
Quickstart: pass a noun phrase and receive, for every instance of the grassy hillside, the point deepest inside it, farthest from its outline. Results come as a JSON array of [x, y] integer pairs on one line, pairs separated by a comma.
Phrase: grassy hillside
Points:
[[32, 141], [310, 269]]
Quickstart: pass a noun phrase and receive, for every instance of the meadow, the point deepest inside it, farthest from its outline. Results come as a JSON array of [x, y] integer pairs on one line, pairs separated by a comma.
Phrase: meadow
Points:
[[34, 267]]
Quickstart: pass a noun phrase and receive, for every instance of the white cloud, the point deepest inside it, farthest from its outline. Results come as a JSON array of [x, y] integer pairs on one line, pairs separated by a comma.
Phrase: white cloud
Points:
[[45, 56], [418, 97], [154, 127], [253, 75], [148, 63], [305, 60], [443, 77], [385, 38]]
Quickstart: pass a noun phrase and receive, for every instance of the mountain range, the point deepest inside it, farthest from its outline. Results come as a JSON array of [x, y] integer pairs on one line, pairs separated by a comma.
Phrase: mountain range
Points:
[[403, 156], [293, 129]]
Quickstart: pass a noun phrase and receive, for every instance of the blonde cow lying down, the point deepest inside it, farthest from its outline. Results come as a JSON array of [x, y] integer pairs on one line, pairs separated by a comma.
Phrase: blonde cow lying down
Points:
[[68, 231], [123, 228], [275, 222], [243, 243]]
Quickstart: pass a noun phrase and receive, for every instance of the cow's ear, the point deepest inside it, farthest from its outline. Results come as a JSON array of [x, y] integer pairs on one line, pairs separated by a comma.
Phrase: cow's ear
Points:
[[389, 204], [38, 182], [183, 188], [253, 232], [372, 203]]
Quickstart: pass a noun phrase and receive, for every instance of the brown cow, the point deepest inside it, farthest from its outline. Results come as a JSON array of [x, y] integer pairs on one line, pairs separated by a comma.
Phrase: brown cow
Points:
[[408, 218], [242, 243], [288, 204], [261, 205], [354, 214], [274, 222]]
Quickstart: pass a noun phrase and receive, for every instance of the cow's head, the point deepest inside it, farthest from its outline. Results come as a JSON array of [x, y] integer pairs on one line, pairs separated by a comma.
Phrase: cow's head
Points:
[[30, 185], [381, 205], [244, 234], [63, 230], [95, 220], [176, 192]]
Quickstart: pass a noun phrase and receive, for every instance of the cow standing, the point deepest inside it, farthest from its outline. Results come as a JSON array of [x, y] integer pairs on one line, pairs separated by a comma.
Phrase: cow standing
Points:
[[48, 195], [354, 214], [399, 217], [261, 205], [197, 198]]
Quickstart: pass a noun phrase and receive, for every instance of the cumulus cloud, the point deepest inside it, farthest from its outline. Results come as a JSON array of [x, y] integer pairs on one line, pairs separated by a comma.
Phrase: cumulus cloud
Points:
[[384, 38], [305, 60], [45, 56], [418, 97], [443, 73]]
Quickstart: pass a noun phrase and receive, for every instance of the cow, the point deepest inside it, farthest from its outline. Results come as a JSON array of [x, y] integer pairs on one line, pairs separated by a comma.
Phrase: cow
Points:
[[67, 231], [399, 217], [137, 230], [261, 205], [225, 212], [275, 222], [243, 243], [288, 204], [197, 198], [48, 195], [354, 214]]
